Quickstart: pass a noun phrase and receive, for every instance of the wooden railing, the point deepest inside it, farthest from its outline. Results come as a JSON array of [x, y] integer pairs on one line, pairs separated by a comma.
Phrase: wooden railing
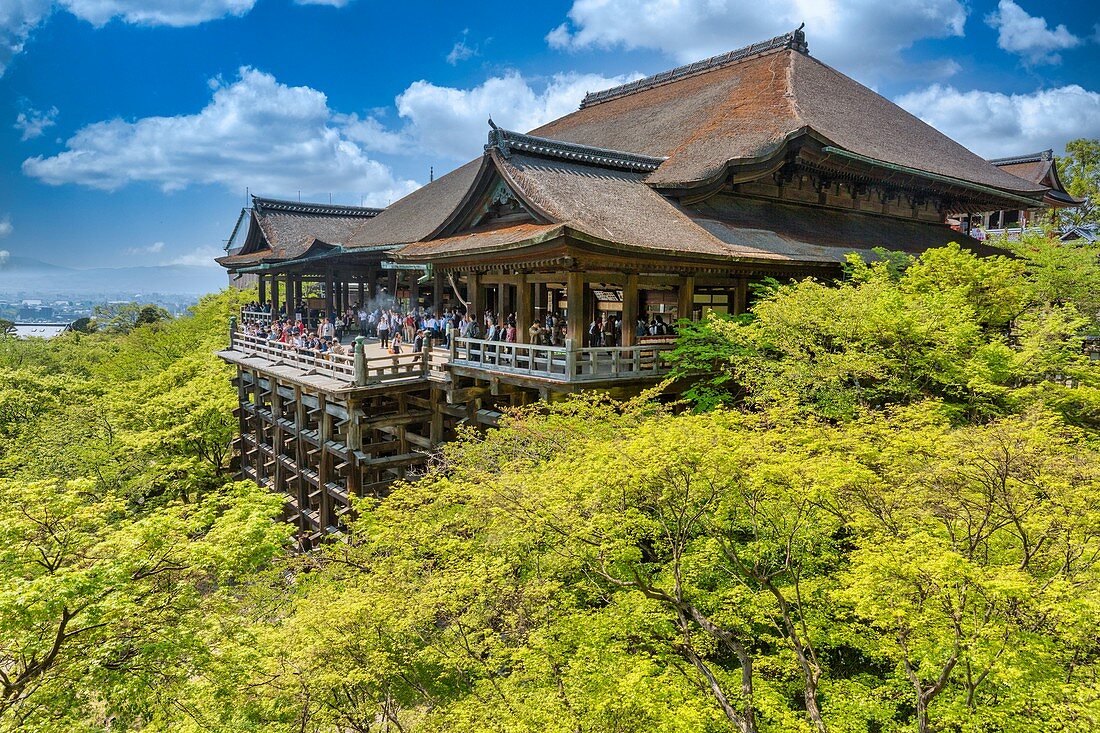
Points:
[[554, 363], [357, 369], [255, 315], [562, 363]]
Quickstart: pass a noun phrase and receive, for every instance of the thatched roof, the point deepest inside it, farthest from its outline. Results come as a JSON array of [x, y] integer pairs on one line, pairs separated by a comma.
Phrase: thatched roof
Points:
[[744, 110]]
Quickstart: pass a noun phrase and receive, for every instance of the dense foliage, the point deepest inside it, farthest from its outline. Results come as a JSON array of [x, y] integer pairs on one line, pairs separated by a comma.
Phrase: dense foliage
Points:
[[879, 511]]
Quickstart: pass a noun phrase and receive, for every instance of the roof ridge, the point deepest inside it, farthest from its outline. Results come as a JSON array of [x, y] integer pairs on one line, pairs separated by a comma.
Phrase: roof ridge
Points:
[[305, 207], [507, 141], [1047, 154], [795, 40]]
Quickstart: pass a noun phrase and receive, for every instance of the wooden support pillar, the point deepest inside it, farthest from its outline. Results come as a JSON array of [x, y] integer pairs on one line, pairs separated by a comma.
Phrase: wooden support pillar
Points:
[[438, 284], [505, 305], [361, 294], [242, 418], [574, 297], [274, 296], [741, 296], [630, 309], [324, 472], [258, 425], [345, 296], [525, 312], [414, 289], [391, 283], [263, 289], [474, 295], [277, 438], [435, 434], [330, 296], [354, 443], [687, 298], [300, 416]]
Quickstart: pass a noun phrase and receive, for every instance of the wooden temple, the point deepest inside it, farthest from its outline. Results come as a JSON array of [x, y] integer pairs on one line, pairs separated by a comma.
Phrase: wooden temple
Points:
[[668, 196], [1039, 168]]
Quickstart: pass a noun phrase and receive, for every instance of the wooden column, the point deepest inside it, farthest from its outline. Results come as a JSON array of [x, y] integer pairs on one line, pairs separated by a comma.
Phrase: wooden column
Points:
[[473, 294], [741, 296], [274, 296], [630, 309], [360, 289], [354, 443], [574, 296], [525, 312], [438, 284], [263, 289], [687, 298], [324, 468], [414, 289], [391, 283], [505, 306], [330, 296]]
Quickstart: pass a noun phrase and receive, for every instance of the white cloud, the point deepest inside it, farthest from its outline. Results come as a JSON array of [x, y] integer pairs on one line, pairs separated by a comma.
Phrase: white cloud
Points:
[[199, 257], [862, 37], [176, 13], [17, 19], [33, 122], [994, 124], [5, 225], [1029, 36], [453, 122], [152, 249], [460, 52], [254, 132]]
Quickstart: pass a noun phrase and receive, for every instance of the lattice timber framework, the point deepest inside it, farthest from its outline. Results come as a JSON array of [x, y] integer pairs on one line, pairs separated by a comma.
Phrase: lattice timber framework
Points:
[[319, 448]]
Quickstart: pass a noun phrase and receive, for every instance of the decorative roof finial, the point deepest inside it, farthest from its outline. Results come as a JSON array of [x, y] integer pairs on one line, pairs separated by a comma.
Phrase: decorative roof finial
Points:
[[798, 39], [492, 124]]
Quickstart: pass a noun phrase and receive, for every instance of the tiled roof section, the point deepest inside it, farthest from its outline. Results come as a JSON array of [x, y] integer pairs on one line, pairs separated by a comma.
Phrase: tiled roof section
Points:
[[716, 120], [611, 205], [1029, 170], [1047, 154], [418, 214], [794, 40], [485, 239], [618, 207], [820, 232], [1039, 168], [240, 260], [508, 142], [313, 209]]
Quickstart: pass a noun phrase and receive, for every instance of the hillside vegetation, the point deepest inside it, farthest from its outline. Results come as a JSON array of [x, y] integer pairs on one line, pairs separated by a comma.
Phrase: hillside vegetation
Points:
[[877, 510]]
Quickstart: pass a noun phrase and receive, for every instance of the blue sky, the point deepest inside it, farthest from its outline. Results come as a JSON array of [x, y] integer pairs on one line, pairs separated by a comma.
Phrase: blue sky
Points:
[[130, 129]]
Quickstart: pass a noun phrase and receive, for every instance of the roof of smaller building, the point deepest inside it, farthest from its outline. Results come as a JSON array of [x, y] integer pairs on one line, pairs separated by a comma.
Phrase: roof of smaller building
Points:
[[40, 330], [1039, 168], [284, 230]]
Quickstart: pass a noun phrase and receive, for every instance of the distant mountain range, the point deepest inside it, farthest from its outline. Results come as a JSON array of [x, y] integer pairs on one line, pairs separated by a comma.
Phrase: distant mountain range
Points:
[[26, 275]]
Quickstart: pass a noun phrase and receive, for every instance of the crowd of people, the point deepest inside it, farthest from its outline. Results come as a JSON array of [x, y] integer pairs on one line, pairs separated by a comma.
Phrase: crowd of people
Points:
[[313, 331]]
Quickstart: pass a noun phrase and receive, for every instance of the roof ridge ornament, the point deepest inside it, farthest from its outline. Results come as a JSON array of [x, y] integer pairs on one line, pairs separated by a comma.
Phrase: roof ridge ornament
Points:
[[507, 142], [795, 40]]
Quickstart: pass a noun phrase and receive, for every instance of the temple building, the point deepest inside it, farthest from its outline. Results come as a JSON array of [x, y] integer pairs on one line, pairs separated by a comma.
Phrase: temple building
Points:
[[1039, 168], [662, 198]]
